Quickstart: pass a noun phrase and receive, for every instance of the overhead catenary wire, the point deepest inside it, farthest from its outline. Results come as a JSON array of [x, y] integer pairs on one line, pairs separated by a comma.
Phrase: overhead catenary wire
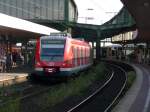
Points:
[[98, 5]]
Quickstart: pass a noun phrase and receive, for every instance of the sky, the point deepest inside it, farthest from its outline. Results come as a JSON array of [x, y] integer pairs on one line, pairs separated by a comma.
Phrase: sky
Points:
[[97, 11]]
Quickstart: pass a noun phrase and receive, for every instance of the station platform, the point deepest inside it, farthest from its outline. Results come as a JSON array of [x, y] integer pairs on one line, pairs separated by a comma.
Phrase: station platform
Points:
[[137, 98], [7, 79], [14, 76]]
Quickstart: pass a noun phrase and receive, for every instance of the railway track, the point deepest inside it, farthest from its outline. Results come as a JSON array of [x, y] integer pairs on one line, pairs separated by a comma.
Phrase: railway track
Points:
[[104, 97], [100, 101]]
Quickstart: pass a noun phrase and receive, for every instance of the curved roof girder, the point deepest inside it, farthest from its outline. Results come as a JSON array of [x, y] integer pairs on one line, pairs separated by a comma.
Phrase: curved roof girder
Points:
[[122, 22]]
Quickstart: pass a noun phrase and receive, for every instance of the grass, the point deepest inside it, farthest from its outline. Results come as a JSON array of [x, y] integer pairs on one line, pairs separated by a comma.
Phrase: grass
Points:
[[11, 106], [131, 76], [58, 93], [8, 93]]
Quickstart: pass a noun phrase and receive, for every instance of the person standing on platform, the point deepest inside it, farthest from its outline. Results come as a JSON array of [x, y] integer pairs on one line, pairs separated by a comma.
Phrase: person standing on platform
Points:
[[4, 63], [21, 59], [14, 58], [8, 61]]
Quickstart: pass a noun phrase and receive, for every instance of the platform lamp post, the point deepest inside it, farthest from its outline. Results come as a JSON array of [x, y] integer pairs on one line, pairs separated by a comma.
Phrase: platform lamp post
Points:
[[7, 43]]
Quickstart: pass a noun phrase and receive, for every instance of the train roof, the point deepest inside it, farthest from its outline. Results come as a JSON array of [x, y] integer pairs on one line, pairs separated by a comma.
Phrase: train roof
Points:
[[64, 36]]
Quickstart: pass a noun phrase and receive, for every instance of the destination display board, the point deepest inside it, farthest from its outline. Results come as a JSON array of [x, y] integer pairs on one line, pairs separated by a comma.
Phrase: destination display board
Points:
[[50, 41]]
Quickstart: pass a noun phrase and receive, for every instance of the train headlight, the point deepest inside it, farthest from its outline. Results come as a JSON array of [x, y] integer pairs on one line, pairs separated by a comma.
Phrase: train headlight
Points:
[[38, 64], [39, 69]]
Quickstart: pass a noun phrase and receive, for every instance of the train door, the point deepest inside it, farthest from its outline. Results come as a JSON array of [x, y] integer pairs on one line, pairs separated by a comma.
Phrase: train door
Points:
[[78, 56]]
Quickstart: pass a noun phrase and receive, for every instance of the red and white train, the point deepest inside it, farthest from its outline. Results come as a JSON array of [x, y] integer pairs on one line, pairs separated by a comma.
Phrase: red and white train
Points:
[[59, 55]]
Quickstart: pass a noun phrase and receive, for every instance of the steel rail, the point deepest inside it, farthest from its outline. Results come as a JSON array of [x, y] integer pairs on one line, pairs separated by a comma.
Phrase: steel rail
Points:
[[120, 90], [92, 95], [73, 109]]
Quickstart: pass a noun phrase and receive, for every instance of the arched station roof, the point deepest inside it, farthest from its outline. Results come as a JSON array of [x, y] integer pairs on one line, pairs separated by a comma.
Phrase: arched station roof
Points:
[[122, 22]]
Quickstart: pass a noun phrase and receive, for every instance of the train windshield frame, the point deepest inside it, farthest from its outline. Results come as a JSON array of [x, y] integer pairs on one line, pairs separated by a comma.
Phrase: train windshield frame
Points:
[[52, 49]]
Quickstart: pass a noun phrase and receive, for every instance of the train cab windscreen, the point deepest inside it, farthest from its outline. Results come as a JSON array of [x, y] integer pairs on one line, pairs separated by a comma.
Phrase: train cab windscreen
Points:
[[52, 50]]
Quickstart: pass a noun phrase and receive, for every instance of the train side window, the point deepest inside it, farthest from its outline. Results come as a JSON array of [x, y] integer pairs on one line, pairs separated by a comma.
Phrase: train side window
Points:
[[85, 55], [75, 56], [79, 55], [81, 58], [73, 53], [82, 55]]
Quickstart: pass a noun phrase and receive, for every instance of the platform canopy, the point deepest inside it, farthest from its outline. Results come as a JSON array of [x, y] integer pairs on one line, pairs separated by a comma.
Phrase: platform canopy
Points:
[[21, 29]]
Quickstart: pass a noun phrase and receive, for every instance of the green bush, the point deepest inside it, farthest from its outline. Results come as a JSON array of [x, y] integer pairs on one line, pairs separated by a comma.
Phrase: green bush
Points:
[[130, 78]]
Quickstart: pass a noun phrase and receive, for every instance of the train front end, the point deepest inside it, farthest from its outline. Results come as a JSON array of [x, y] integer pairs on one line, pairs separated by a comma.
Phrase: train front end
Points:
[[49, 56]]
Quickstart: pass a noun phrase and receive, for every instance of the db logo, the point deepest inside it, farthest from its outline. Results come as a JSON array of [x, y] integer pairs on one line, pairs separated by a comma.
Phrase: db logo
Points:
[[51, 64]]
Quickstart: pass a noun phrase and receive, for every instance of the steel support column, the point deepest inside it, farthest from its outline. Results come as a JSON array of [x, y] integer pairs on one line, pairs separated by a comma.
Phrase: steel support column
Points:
[[98, 45], [25, 52], [98, 49], [98, 55], [93, 49]]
